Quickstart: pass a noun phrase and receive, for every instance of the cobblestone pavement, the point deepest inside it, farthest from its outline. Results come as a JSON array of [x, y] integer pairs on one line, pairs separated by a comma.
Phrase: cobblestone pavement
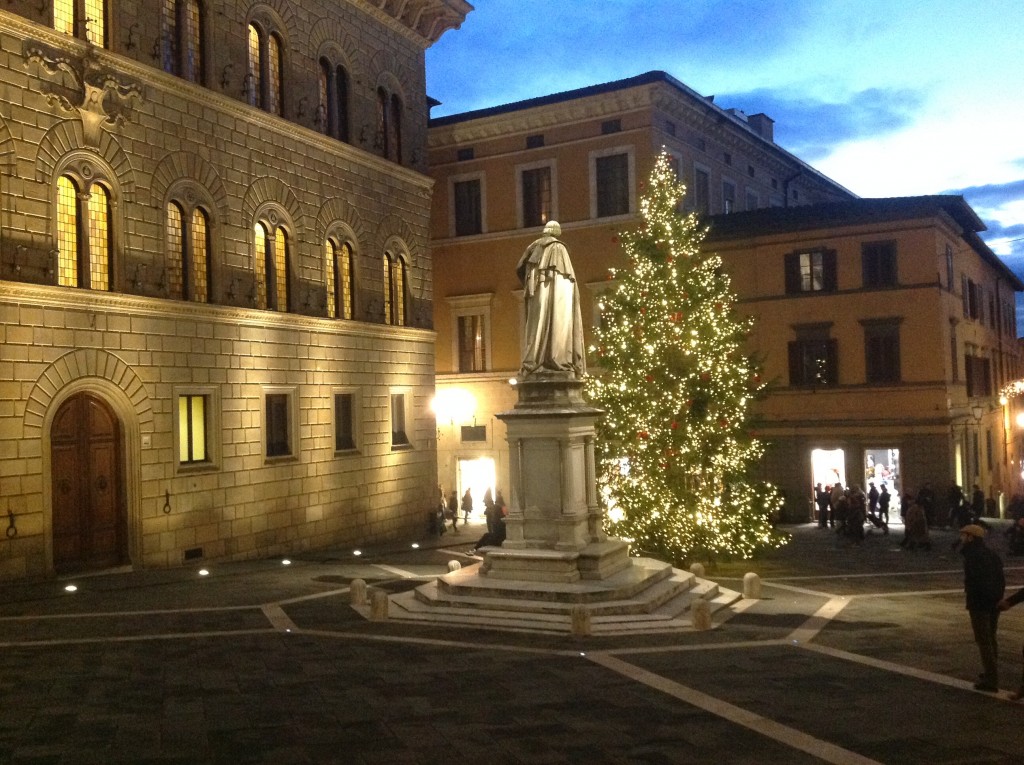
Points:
[[856, 654]]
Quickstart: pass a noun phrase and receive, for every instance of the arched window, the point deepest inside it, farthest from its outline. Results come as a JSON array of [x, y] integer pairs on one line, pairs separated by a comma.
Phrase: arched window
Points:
[[271, 261], [394, 289], [84, 242], [382, 122], [332, 118], [86, 19], [188, 253], [389, 125], [340, 279], [264, 75], [182, 39], [395, 132]]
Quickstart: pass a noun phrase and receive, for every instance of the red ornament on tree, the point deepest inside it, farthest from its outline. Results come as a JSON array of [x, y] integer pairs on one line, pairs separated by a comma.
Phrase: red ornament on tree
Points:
[[642, 435]]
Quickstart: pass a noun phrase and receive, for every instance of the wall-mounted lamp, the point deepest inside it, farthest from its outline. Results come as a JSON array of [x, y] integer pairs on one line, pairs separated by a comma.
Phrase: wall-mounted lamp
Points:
[[977, 410]]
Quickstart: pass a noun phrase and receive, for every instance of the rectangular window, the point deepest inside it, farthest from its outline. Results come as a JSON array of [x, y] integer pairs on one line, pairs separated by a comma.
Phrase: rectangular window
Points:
[[878, 261], [949, 267], [466, 154], [474, 433], [978, 374], [882, 351], [813, 271], [344, 423], [728, 197], [611, 126], [536, 189], [472, 345], [752, 201], [534, 141], [612, 185], [277, 425], [468, 207], [701, 191], [192, 428], [813, 361], [954, 357], [399, 435]]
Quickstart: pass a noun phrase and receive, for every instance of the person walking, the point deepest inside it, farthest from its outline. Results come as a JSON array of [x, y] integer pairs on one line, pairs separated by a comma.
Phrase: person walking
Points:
[[884, 497], [467, 507], [1003, 605], [984, 587], [453, 510]]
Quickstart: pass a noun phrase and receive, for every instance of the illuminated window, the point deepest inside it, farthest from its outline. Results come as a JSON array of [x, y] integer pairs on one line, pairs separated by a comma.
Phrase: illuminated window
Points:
[[271, 262], [182, 39], [472, 343], [340, 286], [86, 19], [192, 428], [264, 75], [394, 290], [813, 271], [333, 117], [188, 254], [84, 242]]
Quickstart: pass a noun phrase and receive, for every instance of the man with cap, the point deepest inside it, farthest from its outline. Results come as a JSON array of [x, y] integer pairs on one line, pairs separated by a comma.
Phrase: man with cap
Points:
[[984, 587]]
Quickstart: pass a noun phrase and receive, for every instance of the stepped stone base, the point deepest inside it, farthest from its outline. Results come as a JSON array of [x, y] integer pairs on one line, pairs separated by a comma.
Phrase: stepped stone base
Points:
[[645, 596], [598, 560]]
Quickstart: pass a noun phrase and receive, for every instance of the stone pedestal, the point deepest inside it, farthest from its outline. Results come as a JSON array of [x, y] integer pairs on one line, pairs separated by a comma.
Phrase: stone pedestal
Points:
[[554, 525]]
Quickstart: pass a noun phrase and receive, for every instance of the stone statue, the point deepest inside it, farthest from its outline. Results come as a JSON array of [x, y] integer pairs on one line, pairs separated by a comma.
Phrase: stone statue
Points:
[[553, 339]]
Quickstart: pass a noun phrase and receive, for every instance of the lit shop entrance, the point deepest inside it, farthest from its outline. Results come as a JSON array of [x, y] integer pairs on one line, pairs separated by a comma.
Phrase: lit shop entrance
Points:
[[477, 475], [881, 465]]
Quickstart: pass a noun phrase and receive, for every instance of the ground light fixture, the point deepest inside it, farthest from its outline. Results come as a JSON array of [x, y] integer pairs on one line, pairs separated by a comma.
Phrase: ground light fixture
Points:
[[286, 562], [204, 572], [415, 545], [71, 588], [357, 553]]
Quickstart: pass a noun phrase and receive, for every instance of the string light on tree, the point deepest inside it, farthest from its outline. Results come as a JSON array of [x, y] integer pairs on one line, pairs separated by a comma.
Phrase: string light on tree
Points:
[[675, 449]]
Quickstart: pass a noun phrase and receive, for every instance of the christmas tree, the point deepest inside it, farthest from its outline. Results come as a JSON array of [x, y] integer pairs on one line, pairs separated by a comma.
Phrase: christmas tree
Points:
[[676, 387]]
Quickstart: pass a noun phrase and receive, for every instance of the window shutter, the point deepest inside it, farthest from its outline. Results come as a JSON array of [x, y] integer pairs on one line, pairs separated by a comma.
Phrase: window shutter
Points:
[[796, 363], [792, 272], [828, 267], [832, 360]]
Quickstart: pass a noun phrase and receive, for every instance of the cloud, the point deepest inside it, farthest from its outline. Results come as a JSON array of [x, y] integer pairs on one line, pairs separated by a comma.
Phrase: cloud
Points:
[[994, 195], [812, 128]]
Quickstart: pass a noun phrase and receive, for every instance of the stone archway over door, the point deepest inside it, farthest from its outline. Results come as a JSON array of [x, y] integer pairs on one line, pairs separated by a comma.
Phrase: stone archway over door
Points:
[[89, 518]]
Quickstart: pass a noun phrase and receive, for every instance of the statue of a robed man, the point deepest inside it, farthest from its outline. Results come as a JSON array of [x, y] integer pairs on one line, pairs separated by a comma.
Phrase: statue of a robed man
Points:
[[553, 340]]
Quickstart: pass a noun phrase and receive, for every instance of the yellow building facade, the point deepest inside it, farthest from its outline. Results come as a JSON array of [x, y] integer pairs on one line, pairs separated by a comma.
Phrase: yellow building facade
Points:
[[215, 279], [581, 158]]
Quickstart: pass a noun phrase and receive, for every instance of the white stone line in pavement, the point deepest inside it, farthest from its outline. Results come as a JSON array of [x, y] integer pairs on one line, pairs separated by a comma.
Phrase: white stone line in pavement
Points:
[[915, 594], [134, 638], [783, 734], [439, 643], [397, 571], [818, 621], [312, 596], [900, 669], [278, 618], [797, 590], [739, 644], [109, 614]]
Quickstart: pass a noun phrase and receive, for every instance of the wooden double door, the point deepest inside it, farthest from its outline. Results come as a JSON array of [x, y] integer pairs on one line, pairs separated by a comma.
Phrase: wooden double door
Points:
[[89, 518]]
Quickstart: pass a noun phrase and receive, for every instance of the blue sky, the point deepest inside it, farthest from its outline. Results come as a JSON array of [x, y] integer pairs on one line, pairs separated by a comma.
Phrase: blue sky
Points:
[[888, 97]]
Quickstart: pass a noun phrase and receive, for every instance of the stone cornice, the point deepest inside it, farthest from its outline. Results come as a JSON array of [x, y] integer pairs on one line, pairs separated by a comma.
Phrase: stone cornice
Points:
[[121, 304], [540, 118], [423, 21]]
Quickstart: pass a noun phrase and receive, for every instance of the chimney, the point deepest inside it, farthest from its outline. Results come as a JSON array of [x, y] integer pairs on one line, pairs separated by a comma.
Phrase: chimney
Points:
[[763, 125]]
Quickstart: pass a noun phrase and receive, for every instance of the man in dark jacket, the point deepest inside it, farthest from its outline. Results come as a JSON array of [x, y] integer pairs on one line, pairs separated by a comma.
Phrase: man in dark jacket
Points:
[[984, 586]]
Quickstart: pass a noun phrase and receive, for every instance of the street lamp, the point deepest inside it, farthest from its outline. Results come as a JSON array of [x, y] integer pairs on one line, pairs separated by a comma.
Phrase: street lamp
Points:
[[977, 410]]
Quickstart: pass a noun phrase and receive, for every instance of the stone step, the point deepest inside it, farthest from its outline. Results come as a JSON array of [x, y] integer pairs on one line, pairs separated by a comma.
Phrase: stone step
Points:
[[659, 591]]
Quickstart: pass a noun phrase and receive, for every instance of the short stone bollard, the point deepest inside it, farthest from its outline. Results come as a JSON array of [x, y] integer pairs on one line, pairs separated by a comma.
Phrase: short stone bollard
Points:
[[453, 565], [697, 569], [378, 605], [701, 614], [751, 586], [580, 620], [357, 592]]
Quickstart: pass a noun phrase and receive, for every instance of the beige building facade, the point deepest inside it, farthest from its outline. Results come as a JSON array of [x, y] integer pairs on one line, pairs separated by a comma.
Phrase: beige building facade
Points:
[[915, 329], [580, 158], [215, 279], [886, 329]]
